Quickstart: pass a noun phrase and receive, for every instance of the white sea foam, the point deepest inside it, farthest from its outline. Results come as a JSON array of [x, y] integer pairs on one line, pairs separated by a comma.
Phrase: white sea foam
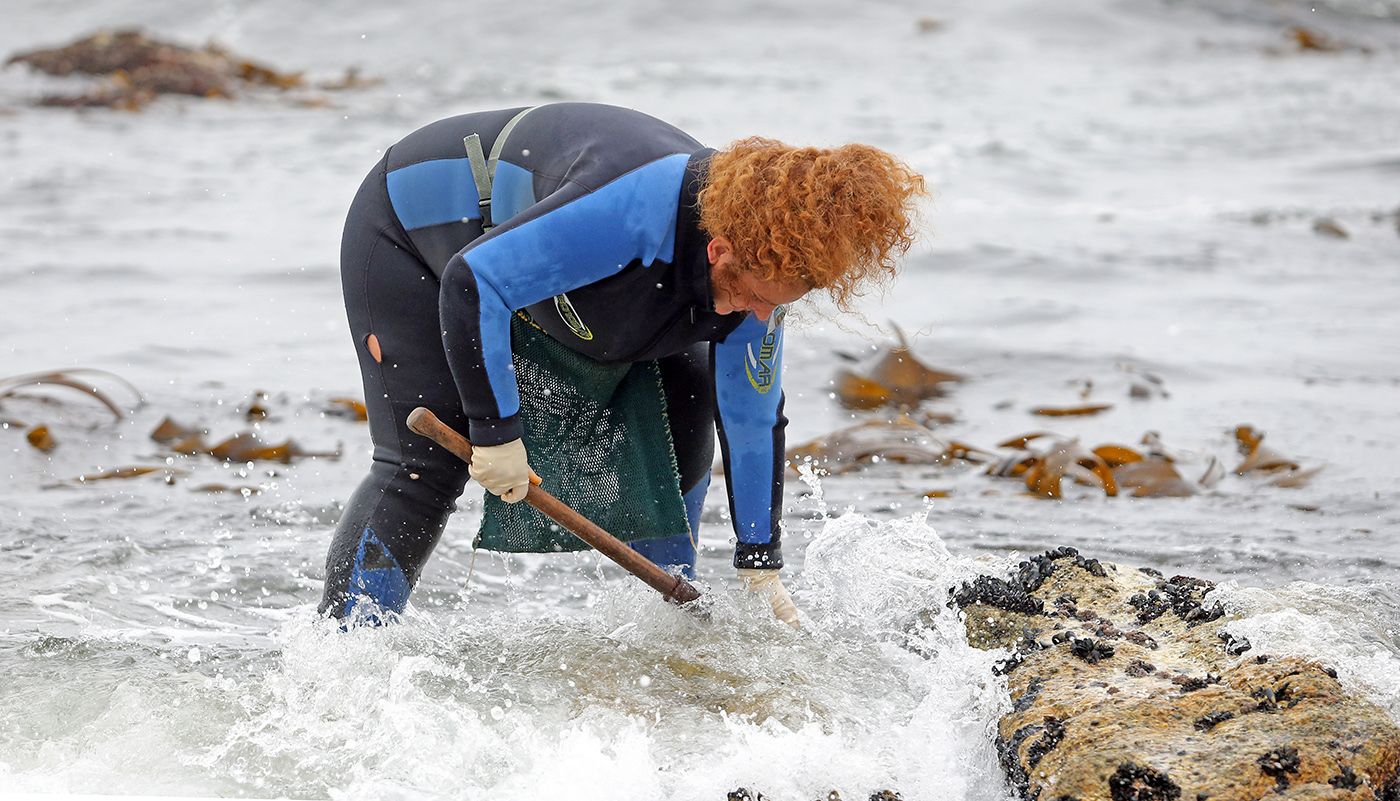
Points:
[[1354, 630], [873, 693]]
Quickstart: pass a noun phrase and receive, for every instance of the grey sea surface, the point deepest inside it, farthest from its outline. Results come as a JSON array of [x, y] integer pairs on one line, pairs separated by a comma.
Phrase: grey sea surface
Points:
[[1119, 188]]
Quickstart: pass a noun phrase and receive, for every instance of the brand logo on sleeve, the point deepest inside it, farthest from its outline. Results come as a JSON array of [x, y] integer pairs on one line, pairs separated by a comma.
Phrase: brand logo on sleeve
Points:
[[571, 318], [761, 367]]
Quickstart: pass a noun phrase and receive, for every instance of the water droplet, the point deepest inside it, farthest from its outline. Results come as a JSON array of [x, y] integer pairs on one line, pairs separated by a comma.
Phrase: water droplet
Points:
[[194, 655], [497, 713], [644, 681]]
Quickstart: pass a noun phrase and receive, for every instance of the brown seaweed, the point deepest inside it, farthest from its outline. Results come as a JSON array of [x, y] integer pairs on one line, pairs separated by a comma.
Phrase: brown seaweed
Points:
[[117, 473], [41, 438], [77, 378], [1082, 410], [138, 68], [1153, 477], [1067, 458], [1256, 456], [901, 440], [347, 407], [245, 446], [896, 378]]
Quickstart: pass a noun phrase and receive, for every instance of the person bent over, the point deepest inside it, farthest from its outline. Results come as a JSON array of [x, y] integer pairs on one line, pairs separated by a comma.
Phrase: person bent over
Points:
[[621, 239]]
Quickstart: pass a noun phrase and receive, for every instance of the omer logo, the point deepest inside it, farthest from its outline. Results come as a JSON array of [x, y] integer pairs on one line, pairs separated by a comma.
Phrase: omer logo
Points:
[[761, 368], [571, 318]]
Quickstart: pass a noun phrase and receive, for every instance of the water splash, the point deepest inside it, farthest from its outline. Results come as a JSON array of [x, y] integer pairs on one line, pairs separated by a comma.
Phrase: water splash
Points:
[[636, 699], [1353, 630], [629, 698]]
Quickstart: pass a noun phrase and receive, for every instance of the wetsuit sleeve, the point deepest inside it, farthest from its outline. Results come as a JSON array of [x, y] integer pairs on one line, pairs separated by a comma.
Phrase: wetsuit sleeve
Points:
[[747, 369], [571, 238]]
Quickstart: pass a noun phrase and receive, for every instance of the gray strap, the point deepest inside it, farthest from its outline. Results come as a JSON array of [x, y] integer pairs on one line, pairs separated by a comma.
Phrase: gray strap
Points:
[[484, 170], [481, 175]]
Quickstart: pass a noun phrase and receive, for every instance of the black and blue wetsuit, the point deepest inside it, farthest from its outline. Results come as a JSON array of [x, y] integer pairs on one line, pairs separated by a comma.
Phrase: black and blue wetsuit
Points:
[[597, 236]]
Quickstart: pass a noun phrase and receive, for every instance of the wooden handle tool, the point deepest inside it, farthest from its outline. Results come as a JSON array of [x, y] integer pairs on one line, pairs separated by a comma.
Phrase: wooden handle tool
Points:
[[673, 588]]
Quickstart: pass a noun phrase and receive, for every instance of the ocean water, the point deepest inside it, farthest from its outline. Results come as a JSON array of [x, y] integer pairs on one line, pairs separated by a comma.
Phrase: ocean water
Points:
[[1119, 188]]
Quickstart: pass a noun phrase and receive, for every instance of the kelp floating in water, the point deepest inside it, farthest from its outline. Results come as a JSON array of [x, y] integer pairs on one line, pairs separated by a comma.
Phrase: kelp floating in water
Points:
[[256, 408], [244, 490], [1154, 476], [134, 471], [245, 446], [898, 440], [895, 378], [139, 69], [1068, 459], [902, 440], [1041, 460], [1081, 410], [40, 437], [82, 379], [1260, 459], [348, 408]]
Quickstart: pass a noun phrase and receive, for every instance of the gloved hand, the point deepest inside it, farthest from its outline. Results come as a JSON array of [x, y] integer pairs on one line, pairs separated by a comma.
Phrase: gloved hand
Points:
[[503, 470], [765, 582]]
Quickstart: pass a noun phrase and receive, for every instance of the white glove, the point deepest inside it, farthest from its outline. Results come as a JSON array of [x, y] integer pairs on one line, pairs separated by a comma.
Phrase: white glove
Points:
[[766, 583], [502, 470]]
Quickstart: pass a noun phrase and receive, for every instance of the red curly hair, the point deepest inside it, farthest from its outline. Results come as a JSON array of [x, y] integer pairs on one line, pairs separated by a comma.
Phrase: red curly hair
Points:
[[835, 219]]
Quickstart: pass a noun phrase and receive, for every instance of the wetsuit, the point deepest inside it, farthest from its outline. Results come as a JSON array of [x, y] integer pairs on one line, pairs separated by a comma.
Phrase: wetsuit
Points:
[[597, 237]]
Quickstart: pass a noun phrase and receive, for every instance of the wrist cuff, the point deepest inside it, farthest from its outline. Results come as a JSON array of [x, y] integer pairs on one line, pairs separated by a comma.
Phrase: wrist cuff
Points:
[[759, 556], [494, 431]]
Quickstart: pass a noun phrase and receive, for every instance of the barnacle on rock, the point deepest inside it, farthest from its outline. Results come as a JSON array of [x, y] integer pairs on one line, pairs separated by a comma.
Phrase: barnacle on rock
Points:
[[1182, 726], [1278, 763], [1346, 779], [1268, 701], [999, 593], [1091, 650], [1138, 668], [1190, 684], [1133, 782], [1139, 637], [1234, 646], [1210, 721], [1150, 606], [1182, 595], [1053, 734]]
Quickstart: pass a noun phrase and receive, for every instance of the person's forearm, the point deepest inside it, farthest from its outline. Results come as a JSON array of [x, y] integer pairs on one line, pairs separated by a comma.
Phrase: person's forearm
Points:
[[476, 338]]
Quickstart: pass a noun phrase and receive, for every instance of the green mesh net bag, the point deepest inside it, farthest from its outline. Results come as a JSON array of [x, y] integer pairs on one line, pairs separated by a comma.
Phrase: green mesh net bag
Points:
[[597, 435]]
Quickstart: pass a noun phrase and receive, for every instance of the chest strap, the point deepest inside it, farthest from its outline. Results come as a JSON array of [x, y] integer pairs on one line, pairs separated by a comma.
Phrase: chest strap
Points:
[[484, 169]]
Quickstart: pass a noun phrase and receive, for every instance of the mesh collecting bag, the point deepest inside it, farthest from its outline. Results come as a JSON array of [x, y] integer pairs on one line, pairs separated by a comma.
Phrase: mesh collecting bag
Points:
[[597, 435]]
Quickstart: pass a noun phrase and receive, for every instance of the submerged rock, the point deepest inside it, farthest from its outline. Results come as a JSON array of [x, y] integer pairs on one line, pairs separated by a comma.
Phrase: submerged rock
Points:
[[1123, 687]]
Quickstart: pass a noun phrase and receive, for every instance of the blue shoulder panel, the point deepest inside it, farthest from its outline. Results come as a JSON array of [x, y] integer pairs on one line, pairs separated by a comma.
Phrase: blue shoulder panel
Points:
[[748, 369], [512, 191], [632, 218], [433, 192]]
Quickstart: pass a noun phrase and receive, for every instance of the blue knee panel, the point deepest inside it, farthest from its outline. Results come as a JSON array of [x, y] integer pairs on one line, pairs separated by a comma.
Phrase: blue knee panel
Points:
[[679, 551], [376, 577]]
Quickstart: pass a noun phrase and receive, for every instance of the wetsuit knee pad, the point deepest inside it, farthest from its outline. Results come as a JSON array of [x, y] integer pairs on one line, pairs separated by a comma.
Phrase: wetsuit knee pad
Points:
[[669, 552], [679, 551], [377, 583]]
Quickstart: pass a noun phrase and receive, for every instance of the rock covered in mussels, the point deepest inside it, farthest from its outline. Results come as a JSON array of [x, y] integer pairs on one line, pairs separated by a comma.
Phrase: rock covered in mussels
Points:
[[1126, 687]]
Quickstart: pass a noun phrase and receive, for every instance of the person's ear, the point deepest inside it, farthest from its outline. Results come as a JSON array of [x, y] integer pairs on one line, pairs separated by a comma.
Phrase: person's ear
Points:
[[718, 248]]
